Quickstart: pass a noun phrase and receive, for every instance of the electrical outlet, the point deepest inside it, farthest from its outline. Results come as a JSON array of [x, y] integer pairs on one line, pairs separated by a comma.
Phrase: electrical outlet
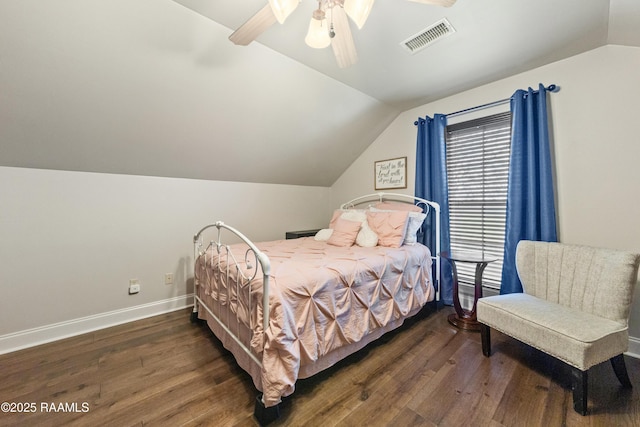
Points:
[[168, 279], [134, 286]]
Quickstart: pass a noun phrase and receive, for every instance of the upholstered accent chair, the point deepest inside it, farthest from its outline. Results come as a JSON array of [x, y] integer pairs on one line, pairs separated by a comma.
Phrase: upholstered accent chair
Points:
[[575, 307]]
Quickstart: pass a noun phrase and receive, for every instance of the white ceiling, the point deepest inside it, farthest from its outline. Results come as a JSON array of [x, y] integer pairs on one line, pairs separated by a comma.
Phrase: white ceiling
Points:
[[153, 87], [494, 39]]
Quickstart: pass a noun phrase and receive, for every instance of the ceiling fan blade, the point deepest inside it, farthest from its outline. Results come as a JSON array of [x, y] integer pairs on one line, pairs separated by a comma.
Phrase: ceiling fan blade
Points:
[[343, 46], [254, 26], [444, 3]]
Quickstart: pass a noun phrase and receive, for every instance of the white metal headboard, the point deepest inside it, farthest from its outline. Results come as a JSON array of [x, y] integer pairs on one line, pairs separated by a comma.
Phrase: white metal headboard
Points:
[[427, 205]]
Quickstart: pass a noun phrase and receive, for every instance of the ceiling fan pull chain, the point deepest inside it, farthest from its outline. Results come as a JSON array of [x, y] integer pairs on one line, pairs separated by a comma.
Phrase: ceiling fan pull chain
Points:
[[332, 32]]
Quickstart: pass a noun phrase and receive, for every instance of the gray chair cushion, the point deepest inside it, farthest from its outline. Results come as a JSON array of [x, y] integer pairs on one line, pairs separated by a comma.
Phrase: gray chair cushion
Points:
[[578, 338]]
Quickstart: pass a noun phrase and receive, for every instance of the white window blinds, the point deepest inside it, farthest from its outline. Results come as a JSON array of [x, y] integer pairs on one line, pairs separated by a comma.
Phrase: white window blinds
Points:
[[477, 173]]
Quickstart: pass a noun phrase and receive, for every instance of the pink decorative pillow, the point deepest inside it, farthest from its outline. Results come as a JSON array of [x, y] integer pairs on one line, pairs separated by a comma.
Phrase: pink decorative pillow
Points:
[[366, 237], [390, 226], [397, 206], [335, 216], [344, 232]]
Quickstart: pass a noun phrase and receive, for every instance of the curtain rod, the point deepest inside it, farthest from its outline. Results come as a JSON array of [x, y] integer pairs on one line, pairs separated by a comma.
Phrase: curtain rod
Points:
[[550, 88]]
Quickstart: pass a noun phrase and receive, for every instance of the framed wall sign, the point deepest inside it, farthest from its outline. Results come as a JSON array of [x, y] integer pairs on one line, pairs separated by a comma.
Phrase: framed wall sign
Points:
[[390, 173]]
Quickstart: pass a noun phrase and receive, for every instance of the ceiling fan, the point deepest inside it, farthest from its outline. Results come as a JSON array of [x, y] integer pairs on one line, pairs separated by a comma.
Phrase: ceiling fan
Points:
[[329, 24]]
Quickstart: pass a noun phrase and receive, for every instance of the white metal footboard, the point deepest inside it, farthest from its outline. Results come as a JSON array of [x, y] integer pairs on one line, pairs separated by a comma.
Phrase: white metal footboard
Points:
[[251, 258]]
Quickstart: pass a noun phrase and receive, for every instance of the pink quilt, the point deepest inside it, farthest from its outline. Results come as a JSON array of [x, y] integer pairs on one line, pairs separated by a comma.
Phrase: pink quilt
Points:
[[322, 298]]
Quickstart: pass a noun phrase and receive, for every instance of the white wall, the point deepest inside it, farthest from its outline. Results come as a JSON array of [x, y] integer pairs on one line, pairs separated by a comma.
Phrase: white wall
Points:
[[70, 241], [596, 148]]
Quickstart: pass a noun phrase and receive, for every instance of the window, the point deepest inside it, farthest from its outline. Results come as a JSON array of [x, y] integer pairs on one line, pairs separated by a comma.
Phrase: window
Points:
[[477, 173]]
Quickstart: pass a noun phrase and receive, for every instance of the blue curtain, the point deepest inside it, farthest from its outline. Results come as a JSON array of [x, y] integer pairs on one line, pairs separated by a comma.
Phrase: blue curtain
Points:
[[431, 184], [531, 213]]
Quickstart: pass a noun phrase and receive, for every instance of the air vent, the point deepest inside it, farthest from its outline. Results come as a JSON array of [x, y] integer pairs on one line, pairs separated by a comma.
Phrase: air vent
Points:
[[428, 36]]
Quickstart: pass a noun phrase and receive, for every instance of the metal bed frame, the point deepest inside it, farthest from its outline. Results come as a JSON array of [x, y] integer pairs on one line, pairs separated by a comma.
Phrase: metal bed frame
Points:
[[255, 260]]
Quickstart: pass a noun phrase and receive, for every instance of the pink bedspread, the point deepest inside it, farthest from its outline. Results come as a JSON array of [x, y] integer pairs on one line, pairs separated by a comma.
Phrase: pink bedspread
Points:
[[322, 298]]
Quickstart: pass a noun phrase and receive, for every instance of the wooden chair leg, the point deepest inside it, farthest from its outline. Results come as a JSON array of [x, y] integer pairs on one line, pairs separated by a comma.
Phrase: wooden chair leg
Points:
[[579, 385], [485, 337], [620, 369]]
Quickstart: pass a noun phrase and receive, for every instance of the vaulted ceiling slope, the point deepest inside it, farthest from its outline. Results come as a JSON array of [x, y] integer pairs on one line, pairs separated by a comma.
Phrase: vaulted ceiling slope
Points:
[[154, 87]]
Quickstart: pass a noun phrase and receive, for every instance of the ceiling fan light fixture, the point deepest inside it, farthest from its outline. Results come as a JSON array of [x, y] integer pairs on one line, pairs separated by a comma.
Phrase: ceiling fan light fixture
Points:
[[334, 31], [318, 34], [358, 10], [283, 8]]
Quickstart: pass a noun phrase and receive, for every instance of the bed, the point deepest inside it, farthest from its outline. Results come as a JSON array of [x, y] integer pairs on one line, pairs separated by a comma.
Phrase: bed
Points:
[[326, 296]]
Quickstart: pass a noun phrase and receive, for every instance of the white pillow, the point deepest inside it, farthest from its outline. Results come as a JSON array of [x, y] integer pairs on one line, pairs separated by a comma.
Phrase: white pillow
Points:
[[323, 235], [354, 215], [415, 222], [367, 238]]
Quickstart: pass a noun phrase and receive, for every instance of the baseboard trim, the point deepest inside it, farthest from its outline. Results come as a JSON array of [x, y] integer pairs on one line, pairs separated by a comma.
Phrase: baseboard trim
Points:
[[70, 328], [57, 331], [634, 347]]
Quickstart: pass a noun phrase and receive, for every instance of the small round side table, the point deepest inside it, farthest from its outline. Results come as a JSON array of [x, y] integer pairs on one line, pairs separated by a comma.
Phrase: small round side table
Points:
[[462, 318]]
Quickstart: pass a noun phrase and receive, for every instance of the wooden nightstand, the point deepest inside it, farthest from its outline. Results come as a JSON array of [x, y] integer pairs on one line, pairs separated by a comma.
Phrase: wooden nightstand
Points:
[[301, 233], [462, 318]]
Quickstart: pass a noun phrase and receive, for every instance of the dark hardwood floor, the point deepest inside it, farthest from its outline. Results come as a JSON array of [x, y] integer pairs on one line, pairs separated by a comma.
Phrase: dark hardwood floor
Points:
[[166, 371]]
